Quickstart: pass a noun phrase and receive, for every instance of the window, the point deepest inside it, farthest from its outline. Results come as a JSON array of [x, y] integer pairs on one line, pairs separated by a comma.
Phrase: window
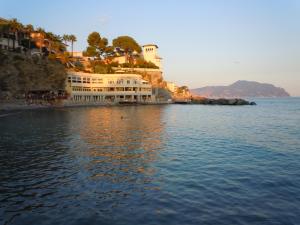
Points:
[[120, 81], [128, 81]]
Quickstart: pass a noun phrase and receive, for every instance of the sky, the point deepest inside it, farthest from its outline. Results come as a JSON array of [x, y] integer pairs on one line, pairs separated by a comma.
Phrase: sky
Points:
[[202, 42]]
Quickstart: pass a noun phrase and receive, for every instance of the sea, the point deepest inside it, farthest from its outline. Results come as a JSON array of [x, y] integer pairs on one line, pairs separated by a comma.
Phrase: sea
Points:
[[154, 164]]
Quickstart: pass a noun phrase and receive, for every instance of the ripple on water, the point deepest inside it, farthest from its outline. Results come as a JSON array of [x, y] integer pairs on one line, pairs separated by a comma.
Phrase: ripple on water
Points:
[[158, 165]]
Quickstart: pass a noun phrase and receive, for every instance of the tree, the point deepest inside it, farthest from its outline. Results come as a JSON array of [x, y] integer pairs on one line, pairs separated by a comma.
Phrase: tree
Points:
[[72, 38], [91, 51], [128, 44], [97, 45], [65, 38]]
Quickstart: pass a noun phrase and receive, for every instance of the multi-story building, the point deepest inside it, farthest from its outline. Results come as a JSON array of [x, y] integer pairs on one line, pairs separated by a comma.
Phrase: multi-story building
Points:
[[108, 88], [150, 54]]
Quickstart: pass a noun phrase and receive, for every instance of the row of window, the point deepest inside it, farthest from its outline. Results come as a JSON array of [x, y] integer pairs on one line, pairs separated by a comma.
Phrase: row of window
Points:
[[118, 89], [85, 80], [88, 80], [111, 98], [121, 81], [149, 49]]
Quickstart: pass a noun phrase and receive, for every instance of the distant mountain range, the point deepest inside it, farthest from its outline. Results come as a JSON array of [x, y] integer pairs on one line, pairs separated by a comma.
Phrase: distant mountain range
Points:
[[241, 89]]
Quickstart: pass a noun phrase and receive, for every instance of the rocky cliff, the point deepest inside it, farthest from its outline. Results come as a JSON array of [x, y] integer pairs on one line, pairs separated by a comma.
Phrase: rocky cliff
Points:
[[20, 73]]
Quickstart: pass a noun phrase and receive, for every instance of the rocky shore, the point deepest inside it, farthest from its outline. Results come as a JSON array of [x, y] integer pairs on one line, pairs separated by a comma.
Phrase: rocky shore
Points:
[[211, 101], [221, 101], [21, 104]]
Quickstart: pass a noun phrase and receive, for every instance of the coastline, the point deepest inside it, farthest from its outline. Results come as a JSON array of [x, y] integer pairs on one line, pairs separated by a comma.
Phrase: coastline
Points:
[[18, 105]]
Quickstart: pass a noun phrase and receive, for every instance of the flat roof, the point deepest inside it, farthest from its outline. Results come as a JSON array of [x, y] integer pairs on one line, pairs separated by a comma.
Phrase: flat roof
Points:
[[104, 75], [150, 45]]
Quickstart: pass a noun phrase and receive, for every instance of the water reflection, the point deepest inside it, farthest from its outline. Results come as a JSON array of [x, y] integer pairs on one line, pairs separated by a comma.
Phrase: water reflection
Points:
[[120, 143], [74, 159]]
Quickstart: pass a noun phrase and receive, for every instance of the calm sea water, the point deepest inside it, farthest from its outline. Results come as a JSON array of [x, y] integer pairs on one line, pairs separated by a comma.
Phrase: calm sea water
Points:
[[172, 164]]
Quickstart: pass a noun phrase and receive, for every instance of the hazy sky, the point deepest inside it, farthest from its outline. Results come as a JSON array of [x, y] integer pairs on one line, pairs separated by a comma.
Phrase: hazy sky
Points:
[[202, 42]]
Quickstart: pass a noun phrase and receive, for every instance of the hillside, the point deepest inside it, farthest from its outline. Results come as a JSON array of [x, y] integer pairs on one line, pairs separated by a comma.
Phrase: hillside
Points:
[[20, 74], [241, 89]]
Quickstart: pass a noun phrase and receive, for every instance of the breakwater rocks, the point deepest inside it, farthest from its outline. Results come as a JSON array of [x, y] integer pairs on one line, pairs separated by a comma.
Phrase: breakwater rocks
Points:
[[220, 101]]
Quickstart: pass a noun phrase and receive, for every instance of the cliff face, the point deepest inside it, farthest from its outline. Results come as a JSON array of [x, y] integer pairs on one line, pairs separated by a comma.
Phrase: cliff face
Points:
[[241, 89], [20, 74]]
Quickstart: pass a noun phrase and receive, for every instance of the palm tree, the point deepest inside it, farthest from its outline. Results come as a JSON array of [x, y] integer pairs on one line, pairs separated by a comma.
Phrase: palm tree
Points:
[[72, 38], [65, 38], [51, 38]]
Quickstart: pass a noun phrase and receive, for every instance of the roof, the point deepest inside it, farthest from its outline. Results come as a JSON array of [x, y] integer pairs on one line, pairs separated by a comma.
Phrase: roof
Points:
[[150, 45]]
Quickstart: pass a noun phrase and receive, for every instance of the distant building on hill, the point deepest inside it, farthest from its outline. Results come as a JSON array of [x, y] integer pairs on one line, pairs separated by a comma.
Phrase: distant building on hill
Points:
[[120, 59], [8, 39], [150, 54], [76, 54], [171, 86]]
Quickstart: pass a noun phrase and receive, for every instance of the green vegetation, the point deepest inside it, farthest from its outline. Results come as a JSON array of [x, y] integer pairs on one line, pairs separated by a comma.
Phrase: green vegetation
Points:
[[14, 30], [69, 38], [128, 44], [141, 63], [97, 45], [182, 90], [101, 68], [21, 74], [45, 67]]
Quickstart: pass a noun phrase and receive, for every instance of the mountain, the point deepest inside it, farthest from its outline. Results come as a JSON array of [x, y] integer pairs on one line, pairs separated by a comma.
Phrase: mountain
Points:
[[241, 89]]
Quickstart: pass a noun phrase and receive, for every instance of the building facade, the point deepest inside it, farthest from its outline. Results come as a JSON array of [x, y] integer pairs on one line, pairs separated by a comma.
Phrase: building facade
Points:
[[171, 86], [8, 39], [108, 88], [150, 54]]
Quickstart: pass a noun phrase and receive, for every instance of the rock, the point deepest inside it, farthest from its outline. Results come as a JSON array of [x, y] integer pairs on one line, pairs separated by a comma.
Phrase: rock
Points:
[[221, 101]]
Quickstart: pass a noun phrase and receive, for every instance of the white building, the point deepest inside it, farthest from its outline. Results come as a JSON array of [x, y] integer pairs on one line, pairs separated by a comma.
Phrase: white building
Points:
[[150, 54], [76, 54], [171, 86], [109, 88]]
